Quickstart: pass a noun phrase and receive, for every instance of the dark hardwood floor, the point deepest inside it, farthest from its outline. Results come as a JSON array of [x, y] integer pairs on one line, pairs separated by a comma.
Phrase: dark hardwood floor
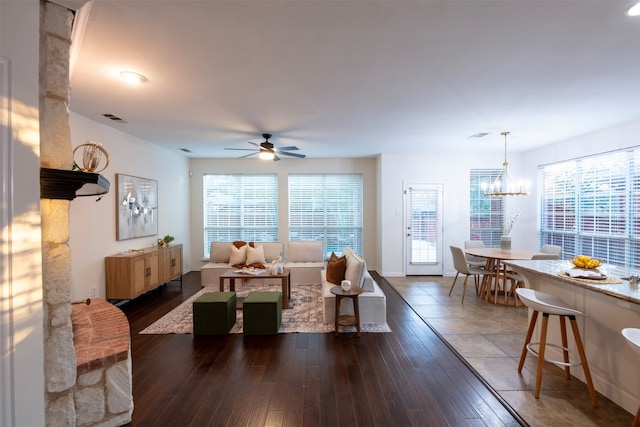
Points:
[[405, 378]]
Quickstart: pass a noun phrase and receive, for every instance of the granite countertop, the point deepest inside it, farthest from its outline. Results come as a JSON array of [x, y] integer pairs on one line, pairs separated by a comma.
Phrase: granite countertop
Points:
[[551, 268]]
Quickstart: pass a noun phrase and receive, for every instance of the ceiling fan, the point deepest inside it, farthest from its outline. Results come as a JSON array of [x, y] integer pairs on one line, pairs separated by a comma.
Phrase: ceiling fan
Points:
[[267, 151]]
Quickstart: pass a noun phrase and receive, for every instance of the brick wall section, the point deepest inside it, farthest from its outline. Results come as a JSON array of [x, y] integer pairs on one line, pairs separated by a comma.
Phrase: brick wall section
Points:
[[100, 335], [102, 342]]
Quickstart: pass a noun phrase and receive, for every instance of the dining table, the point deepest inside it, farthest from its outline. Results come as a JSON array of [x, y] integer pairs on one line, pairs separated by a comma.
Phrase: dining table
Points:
[[491, 288]]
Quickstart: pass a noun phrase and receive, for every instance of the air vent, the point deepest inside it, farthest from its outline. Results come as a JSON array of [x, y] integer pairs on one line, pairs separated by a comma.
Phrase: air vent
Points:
[[479, 135], [114, 118], [186, 150]]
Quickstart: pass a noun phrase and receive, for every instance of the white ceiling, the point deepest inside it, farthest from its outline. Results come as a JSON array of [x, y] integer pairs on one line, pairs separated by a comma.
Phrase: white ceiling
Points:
[[352, 78]]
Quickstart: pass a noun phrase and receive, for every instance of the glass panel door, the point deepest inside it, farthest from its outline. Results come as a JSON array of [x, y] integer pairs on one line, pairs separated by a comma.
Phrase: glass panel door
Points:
[[423, 210]]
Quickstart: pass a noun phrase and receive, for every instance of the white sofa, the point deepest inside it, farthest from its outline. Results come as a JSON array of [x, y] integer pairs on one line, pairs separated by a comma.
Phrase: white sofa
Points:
[[303, 258], [372, 301]]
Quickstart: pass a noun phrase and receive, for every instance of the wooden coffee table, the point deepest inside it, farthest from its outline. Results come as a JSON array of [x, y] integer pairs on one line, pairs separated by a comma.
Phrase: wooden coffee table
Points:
[[285, 277], [347, 320]]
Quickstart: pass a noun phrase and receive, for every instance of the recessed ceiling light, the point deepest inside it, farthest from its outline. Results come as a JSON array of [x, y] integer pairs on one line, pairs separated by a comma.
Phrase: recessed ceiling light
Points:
[[133, 77], [634, 10]]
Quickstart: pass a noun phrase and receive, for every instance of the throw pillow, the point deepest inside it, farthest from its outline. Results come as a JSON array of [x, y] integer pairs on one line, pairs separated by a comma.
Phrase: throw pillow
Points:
[[239, 243], [356, 266], [336, 267], [255, 255], [237, 256]]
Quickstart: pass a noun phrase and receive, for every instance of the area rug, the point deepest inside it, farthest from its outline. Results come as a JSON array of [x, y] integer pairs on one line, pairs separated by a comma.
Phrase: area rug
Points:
[[304, 314]]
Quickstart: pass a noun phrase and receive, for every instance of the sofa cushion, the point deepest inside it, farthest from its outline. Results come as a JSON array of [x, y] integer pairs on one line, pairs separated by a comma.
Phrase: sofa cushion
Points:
[[272, 250], [304, 251], [336, 267], [255, 255], [237, 256], [219, 252], [356, 267]]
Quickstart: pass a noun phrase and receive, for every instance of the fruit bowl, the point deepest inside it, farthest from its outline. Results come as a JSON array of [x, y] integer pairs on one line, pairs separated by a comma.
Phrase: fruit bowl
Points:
[[586, 262]]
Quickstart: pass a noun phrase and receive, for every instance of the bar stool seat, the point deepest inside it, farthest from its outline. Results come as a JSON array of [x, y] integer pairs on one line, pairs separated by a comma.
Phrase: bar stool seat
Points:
[[632, 335], [547, 304]]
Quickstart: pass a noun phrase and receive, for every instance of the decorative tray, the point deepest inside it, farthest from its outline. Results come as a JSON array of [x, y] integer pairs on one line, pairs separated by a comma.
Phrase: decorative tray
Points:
[[579, 273], [250, 270]]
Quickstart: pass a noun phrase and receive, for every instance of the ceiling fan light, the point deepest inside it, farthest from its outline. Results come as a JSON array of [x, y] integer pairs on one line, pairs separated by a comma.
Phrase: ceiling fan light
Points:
[[266, 155], [133, 77]]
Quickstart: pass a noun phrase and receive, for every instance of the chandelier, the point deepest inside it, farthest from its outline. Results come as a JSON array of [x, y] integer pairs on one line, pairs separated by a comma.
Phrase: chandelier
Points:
[[505, 184]]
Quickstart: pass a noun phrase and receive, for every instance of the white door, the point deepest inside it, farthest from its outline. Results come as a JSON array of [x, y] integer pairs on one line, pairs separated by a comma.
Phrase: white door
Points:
[[423, 226]]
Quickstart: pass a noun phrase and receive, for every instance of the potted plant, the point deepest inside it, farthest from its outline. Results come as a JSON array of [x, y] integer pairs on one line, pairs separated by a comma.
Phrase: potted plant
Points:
[[165, 241], [505, 239]]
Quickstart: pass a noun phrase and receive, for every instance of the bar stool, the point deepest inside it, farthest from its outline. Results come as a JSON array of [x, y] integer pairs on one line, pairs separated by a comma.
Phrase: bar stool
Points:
[[547, 304], [632, 335]]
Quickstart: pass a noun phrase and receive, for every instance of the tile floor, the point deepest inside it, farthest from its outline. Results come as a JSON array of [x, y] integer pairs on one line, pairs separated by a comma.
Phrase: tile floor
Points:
[[490, 338]]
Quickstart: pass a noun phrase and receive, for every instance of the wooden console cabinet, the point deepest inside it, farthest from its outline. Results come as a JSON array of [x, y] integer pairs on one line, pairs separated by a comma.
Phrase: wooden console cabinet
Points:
[[131, 274]]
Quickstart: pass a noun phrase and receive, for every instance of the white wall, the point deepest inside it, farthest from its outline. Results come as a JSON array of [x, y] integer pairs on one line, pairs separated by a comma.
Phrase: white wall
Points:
[[453, 172], [284, 167], [21, 314], [623, 136], [93, 223]]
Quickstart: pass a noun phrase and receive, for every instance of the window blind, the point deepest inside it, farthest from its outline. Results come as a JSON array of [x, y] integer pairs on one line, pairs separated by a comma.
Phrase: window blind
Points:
[[591, 206], [424, 204], [327, 207], [486, 214], [240, 207]]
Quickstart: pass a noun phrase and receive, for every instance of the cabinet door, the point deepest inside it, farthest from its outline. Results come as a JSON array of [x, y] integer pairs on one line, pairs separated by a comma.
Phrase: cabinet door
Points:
[[176, 262], [138, 276], [165, 265], [152, 274]]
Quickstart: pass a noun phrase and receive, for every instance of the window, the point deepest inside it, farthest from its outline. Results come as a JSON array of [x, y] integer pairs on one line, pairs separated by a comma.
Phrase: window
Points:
[[327, 208], [240, 207], [591, 206], [486, 213]]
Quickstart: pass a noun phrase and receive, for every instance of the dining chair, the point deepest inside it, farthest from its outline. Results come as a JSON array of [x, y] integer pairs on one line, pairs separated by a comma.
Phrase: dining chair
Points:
[[517, 281], [551, 249], [474, 261], [461, 266]]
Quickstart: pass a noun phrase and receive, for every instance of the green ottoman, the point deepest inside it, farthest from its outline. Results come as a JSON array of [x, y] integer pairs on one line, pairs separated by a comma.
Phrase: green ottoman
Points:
[[262, 312], [214, 313]]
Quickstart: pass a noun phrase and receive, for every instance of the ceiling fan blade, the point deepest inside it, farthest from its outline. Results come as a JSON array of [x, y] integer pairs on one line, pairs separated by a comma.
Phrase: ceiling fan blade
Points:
[[253, 143], [241, 149], [291, 148], [275, 158], [300, 156], [248, 155]]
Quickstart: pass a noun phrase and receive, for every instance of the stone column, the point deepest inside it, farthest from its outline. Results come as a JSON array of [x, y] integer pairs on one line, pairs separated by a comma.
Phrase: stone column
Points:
[[55, 152]]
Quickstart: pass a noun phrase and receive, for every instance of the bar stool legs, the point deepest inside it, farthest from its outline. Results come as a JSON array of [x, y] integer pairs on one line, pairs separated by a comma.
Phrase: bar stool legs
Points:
[[535, 301]]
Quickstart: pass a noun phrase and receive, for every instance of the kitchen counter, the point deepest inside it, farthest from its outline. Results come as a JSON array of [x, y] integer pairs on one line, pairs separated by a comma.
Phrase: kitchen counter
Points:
[[551, 268]]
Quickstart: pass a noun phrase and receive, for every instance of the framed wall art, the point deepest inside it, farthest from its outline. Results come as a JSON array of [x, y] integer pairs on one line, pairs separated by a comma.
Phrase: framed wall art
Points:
[[136, 207]]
